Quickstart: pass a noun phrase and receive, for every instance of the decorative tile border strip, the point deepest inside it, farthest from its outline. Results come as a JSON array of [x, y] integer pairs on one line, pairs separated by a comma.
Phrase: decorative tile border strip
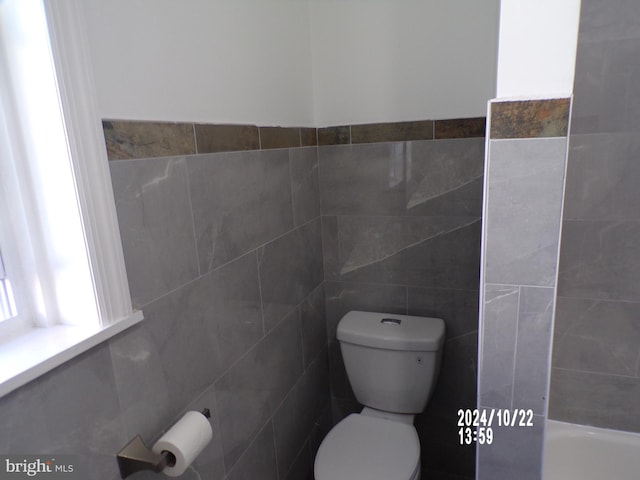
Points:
[[127, 139], [392, 132], [403, 131], [459, 128], [530, 118]]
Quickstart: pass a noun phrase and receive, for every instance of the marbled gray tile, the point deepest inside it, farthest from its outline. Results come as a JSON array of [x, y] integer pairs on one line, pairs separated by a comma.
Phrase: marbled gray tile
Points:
[[295, 418], [605, 20], [458, 308], [250, 392], [23, 422], [607, 401], [302, 468], [442, 177], [343, 297], [606, 95], [240, 201], [321, 428], [156, 226], [259, 460], [601, 177], [597, 260], [314, 325], [434, 252], [191, 335], [442, 461], [438, 475], [445, 177], [305, 193], [498, 345], [140, 381], [597, 336], [290, 268], [455, 389], [363, 179], [81, 414], [330, 248], [71, 410], [589, 83], [458, 373], [516, 453], [523, 211], [533, 344], [340, 386]]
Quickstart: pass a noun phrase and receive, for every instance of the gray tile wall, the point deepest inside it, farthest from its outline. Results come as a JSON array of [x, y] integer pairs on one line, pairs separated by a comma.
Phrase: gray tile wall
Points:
[[596, 353], [401, 234], [242, 283], [224, 256], [523, 207]]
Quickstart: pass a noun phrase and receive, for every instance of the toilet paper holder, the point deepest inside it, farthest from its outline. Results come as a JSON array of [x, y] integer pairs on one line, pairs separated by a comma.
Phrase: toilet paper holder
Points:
[[136, 456]]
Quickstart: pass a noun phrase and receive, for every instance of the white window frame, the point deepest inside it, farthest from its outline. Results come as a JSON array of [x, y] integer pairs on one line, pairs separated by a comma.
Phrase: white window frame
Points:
[[34, 351], [7, 300]]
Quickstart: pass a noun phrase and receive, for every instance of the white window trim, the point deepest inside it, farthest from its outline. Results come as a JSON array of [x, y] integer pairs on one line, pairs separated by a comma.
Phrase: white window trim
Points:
[[42, 349]]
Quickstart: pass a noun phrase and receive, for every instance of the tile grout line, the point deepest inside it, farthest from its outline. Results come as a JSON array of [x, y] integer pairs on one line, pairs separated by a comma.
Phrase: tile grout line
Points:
[[293, 209], [591, 372], [275, 447], [399, 285], [264, 328], [238, 360], [515, 347], [193, 220]]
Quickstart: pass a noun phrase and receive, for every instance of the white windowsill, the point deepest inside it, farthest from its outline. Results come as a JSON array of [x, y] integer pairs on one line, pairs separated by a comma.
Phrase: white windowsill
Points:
[[39, 351]]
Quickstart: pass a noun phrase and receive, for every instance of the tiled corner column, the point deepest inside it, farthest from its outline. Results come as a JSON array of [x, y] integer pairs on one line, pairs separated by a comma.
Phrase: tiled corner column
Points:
[[524, 181]]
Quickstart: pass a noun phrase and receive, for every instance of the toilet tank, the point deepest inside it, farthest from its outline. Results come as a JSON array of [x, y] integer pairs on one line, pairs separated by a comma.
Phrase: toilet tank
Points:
[[392, 361]]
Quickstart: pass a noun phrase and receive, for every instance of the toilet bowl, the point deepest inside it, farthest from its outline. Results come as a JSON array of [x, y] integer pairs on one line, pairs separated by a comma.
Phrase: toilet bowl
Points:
[[369, 448], [392, 362]]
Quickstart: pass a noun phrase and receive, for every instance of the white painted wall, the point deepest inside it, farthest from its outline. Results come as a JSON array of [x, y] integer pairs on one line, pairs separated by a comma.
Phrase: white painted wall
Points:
[[237, 61], [394, 60], [537, 52], [292, 62]]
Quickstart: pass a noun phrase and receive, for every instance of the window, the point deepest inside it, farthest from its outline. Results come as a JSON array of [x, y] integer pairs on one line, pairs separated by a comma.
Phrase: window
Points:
[[63, 285]]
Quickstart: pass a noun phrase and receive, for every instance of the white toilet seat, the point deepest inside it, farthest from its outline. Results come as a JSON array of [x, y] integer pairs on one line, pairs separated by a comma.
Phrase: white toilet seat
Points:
[[369, 448]]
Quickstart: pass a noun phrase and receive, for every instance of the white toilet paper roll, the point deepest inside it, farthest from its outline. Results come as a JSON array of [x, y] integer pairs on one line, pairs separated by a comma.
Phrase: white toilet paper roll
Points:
[[185, 440]]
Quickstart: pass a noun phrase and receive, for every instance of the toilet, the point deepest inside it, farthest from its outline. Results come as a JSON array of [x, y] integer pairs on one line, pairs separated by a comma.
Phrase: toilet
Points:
[[392, 362]]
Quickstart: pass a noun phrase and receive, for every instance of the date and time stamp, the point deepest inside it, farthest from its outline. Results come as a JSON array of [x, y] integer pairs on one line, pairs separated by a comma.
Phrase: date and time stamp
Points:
[[477, 425]]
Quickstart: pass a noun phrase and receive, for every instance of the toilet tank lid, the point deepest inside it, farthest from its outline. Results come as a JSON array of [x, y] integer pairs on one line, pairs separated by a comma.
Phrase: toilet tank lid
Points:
[[392, 332]]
